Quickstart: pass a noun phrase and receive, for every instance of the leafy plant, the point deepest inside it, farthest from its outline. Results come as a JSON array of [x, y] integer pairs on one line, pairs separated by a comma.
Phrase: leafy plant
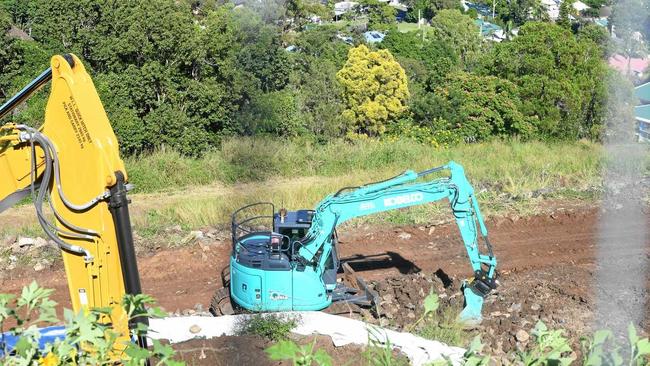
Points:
[[380, 353], [602, 349], [431, 304], [550, 348], [304, 355], [88, 340]]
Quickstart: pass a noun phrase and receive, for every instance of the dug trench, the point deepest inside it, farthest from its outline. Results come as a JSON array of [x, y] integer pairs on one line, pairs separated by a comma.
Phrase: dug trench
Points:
[[546, 272]]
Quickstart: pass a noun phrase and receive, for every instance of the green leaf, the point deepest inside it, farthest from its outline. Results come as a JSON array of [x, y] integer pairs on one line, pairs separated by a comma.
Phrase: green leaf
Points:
[[631, 333], [431, 302], [323, 358], [162, 350], [601, 336], [283, 350], [643, 347], [136, 352]]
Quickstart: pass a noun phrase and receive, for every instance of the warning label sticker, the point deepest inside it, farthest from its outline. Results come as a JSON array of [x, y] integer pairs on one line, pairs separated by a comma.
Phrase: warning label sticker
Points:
[[76, 121]]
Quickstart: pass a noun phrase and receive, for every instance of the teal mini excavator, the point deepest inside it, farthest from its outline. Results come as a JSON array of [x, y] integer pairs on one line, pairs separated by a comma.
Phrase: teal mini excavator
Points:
[[293, 264]]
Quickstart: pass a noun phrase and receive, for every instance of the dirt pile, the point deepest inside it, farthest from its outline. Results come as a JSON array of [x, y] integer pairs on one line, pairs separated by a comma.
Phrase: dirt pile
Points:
[[401, 298], [556, 297]]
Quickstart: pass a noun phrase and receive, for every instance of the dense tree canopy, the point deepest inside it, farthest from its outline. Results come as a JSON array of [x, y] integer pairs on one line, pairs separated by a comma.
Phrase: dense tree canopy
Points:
[[560, 78], [187, 73], [454, 28]]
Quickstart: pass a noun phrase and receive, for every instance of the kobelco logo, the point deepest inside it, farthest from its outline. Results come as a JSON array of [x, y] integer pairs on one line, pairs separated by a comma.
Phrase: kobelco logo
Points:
[[402, 200]]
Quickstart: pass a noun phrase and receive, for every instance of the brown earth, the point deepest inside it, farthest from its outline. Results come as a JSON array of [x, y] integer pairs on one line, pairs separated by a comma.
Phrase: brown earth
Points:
[[229, 350], [546, 266]]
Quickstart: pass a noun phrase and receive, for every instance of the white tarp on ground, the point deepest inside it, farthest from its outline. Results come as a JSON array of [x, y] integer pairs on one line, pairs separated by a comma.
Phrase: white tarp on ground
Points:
[[342, 330]]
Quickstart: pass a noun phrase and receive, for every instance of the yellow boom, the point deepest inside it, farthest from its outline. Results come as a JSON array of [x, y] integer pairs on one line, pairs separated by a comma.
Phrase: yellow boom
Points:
[[72, 161]]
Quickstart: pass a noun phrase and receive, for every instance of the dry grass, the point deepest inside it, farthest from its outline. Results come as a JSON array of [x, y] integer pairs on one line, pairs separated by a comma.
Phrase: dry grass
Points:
[[198, 193]]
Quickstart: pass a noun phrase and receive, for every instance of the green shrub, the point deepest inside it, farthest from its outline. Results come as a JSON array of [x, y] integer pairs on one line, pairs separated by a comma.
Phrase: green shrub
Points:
[[271, 326]]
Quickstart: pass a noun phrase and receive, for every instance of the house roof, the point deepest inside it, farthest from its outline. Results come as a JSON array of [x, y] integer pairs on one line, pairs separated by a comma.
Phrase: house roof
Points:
[[637, 65], [481, 9], [486, 27], [642, 112], [643, 92], [580, 6], [374, 36], [603, 22], [344, 6]]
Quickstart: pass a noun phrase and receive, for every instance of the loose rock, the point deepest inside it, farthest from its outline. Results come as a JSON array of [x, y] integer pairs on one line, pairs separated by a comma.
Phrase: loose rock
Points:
[[522, 336]]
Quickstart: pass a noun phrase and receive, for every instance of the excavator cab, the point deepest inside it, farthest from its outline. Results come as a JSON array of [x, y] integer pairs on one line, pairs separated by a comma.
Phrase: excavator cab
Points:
[[264, 267]]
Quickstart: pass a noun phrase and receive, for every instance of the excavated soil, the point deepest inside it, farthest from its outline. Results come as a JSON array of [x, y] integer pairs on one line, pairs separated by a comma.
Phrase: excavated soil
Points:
[[546, 264], [249, 350]]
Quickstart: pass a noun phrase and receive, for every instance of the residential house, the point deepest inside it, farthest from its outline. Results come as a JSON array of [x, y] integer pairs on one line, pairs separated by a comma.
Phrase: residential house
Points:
[[484, 11], [490, 31], [642, 112], [579, 6], [637, 66], [374, 36], [343, 7], [552, 8]]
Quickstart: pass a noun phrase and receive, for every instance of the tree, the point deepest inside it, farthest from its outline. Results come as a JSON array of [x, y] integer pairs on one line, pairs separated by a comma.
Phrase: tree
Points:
[[628, 17], [381, 16], [375, 90], [538, 10], [427, 9], [274, 113], [477, 107], [485, 106], [454, 28], [620, 123], [599, 36], [560, 78], [566, 10], [299, 11], [425, 60]]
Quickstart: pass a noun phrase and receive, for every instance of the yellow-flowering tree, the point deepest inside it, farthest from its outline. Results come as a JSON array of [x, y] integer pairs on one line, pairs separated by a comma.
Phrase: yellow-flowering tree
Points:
[[375, 90]]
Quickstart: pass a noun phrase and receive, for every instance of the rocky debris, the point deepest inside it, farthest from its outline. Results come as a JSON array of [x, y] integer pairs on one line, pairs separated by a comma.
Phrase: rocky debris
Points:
[[198, 310], [402, 298], [404, 236], [25, 242], [39, 267], [194, 329], [522, 336], [515, 308]]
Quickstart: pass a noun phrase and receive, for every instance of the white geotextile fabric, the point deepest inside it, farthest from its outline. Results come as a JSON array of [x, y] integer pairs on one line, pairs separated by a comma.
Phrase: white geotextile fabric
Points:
[[342, 330]]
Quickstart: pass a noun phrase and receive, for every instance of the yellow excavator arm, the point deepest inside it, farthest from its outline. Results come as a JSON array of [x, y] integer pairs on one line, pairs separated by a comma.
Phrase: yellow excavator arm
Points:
[[72, 168]]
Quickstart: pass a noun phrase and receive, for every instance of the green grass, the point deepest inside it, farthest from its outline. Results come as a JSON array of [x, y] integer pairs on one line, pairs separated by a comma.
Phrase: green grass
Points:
[[172, 189], [443, 326], [411, 27], [511, 167]]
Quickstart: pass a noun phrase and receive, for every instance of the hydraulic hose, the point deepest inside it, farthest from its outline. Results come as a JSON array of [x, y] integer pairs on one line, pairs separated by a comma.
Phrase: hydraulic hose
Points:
[[34, 137]]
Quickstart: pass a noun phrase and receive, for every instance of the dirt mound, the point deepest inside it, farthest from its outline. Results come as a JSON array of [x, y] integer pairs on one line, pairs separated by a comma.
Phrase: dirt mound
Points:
[[249, 350], [401, 298]]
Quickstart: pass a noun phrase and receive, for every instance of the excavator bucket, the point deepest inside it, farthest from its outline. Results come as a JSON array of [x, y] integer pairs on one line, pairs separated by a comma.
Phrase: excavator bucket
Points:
[[471, 314]]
